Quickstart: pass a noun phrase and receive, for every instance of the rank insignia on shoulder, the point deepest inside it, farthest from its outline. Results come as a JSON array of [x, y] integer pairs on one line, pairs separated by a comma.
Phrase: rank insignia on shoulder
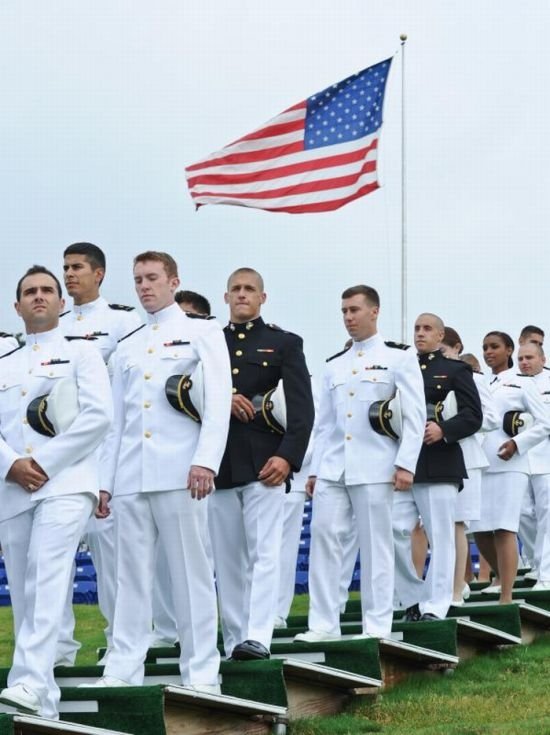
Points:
[[375, 367], [71, 337], [121, 307], [5, 334], [55, 361], [130, 333], [11, 351], [176, 343], [342, 352], [397, 345], [193, 315]]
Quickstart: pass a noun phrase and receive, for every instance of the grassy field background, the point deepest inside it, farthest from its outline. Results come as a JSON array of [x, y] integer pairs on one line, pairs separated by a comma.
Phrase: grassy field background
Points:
[[504, 693]]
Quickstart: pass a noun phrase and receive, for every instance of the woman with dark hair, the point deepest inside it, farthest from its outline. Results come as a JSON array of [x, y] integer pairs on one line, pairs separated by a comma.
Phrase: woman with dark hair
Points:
[[506, 479], [468, 502]]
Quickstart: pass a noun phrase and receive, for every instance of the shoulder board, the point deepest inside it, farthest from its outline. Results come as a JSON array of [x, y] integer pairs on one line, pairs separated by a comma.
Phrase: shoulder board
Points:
[[277, 328], [546, 368], [192, 315], [478, 372], [397, 345], [3, 335], [65, 313], [12, 351], [130, 333], [342, 352], [121, 307]]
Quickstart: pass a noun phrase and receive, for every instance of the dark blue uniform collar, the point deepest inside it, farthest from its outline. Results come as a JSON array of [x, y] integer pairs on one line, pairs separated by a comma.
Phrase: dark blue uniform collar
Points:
[[245, 327], [426, 357]]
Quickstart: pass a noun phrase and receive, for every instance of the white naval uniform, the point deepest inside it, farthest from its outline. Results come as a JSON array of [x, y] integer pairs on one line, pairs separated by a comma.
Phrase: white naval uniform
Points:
[[146, 462], [539, 482], [468, 502], [104, 325], [505, 482], [354, 467], [40, 531]]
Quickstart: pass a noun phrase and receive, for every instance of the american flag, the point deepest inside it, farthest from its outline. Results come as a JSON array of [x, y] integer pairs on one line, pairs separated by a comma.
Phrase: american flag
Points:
[[315, 156]]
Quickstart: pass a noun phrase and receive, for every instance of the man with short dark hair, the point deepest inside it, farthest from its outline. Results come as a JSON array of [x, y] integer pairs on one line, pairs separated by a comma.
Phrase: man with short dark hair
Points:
[[357, 464], [246, 512], [158, 463], [531, 333], [49, 481], [192, 301], [102, 324]]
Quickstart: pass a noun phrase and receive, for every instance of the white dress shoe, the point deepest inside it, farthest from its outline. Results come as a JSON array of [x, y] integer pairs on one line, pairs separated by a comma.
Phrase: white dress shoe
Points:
[[457, 603], [466, 591], [314, 636], [22, 698], [106, 681], [204, 688], [491, 589], [541, 586]]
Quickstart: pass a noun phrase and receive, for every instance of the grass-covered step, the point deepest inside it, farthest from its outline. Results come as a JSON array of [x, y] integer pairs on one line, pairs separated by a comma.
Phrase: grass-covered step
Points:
[[502, 617], [475, 638], [399, 660], [191, 713], [29, 725], [436, 635]]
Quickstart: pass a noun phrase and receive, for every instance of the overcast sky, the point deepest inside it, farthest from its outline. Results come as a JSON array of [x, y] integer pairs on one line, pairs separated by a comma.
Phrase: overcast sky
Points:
[[104, 103]]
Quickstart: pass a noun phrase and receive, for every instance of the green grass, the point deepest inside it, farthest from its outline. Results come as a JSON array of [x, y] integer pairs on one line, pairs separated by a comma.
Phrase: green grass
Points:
[[505, 693]]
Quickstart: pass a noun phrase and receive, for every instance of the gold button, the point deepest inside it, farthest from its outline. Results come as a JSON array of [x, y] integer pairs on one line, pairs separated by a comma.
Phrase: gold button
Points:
[[349, 415], [235, 371], [233, 390], [147, 435], [239, 353], [439, 387], [25, 421], [351, 393], [354, 372], [241, 336], [28, 450], [360, 353], [79, 318], [36, 347], [423, 367], [264, 363], [147, 404], [150, 350], [147, 376], [348, 436], [23, 392], [155, 327]]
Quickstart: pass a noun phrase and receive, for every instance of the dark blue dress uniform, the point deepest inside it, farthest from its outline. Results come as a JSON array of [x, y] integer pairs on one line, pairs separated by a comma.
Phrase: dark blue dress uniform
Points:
[[443, 461], [245, 515], [261, 354], [440, 472]]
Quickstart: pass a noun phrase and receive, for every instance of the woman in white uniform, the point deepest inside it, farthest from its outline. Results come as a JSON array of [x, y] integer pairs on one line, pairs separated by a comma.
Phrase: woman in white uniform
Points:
[[506, 479], [468, 502]]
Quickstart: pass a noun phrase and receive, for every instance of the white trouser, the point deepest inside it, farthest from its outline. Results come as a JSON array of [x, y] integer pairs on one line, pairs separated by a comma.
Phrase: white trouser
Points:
[[181, 525], [100, 537], [436, 505], [292, 529], [39, 547], [528, 521], [349, 559], [540, 485], [165, 627], [334, 507], [246, 525]]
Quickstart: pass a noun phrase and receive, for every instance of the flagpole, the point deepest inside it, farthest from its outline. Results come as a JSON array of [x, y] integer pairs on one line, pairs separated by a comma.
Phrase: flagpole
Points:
[[404, 334]]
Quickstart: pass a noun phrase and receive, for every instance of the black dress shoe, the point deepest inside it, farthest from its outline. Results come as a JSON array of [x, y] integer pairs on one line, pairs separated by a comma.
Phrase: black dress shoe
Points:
[[412, 614], [427, 617], [249, 651]]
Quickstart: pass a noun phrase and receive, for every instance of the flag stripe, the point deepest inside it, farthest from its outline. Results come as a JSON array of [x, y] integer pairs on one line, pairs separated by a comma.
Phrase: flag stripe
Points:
[[296, 189], [278, 171], [313, 197]]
